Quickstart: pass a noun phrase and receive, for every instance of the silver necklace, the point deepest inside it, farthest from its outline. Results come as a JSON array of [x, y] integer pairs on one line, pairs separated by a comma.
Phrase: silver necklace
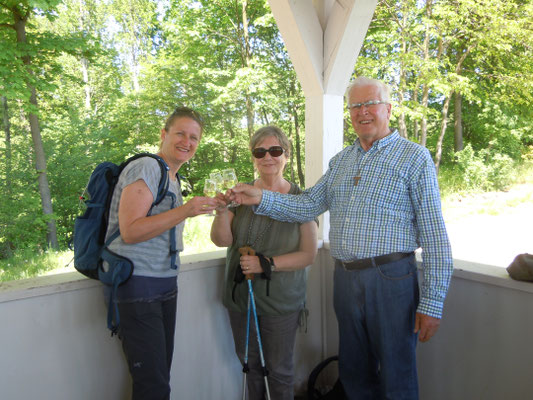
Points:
[[260, 236]]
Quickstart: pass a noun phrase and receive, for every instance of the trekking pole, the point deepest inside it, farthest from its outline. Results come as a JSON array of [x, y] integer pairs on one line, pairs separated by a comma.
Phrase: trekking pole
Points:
[[246, 250], [265, 371], [245, 368]]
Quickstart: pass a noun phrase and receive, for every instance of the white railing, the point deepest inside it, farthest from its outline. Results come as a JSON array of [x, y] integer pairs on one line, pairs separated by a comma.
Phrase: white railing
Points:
[[55, 344], [483, 349]]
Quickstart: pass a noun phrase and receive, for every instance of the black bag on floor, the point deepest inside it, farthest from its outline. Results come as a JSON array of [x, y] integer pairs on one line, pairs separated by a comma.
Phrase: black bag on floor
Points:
[[313, 393]]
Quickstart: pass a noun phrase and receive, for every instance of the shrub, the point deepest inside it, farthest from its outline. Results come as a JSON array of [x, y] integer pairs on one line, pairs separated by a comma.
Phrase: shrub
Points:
[[485, 169]]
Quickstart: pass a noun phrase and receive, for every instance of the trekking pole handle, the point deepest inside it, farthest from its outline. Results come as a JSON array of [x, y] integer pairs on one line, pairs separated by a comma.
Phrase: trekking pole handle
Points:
[[247, 251]]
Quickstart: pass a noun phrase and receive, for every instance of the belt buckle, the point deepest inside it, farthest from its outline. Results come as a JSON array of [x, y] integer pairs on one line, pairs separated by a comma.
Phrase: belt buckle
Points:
[[356, 265], [350, 265]]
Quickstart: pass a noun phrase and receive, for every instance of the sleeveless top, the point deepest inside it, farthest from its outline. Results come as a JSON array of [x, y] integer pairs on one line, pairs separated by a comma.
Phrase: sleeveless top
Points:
[[270, 238]]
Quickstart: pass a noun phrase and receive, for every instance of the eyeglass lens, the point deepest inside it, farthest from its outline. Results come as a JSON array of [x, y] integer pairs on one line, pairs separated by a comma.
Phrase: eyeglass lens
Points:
[[260, 152], [368, 104]]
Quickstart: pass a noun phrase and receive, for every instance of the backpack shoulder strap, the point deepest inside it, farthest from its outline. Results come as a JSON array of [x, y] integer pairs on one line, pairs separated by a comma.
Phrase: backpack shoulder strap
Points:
[[163, 182]]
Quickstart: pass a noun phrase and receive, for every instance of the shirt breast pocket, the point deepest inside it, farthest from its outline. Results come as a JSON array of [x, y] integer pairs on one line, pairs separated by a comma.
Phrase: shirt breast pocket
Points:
[[387, 189]]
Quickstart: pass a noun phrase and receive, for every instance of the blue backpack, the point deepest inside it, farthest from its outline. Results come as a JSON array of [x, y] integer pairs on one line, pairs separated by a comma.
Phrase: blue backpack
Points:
[[91, 248]]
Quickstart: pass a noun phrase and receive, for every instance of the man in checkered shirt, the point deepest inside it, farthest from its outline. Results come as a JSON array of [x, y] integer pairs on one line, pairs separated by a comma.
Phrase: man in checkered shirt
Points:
[[383, 197]]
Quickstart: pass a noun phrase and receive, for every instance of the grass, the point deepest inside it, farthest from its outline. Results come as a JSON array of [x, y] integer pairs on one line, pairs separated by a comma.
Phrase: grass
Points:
[[196, 235], [28, 264], [458, 203]]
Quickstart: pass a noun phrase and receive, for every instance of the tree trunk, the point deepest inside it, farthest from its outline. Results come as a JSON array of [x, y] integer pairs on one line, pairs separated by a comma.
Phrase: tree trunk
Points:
[[402, 128], [135, 70], [229, 127], [458, 127], [443, 125], [7, 130], [40, 159], [264, 117], [298, 147], [246, 60], [416, 126], [458, 69], [87, 87], [84, 62], [291, 159], [424, 122], [425, 88], [401, 86]]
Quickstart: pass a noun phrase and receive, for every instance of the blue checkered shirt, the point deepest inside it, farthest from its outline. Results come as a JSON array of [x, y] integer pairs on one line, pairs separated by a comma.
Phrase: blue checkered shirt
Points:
[[395, 207]]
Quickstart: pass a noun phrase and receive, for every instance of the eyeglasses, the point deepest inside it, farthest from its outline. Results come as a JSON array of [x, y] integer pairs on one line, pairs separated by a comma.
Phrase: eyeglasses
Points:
[[370, 103], [275, 151]]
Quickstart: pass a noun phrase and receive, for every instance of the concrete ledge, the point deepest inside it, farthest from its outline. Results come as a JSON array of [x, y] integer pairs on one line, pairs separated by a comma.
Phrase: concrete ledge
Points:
[[64, 282], [489, 274], [68, 281]]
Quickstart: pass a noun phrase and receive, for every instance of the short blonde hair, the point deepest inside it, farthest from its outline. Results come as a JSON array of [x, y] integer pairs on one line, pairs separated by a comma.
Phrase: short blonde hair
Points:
[[360, 81], [271, 130], [187, 112]]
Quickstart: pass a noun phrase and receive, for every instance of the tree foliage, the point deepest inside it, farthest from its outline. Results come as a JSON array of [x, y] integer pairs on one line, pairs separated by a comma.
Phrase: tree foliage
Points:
[[106, 73]]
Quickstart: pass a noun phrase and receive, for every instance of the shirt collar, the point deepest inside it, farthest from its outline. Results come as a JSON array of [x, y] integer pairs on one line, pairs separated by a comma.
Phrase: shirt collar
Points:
[[390, 138]]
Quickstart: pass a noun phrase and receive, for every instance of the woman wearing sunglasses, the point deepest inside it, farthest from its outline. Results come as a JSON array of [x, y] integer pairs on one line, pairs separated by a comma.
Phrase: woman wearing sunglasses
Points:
[[279, 284]]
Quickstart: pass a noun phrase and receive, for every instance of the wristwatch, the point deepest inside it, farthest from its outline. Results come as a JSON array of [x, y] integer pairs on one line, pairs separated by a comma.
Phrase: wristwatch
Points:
[[271, 259]]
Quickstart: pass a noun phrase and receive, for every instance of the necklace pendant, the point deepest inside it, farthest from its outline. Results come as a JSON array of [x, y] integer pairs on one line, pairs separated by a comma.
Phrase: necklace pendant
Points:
[[356, 180]]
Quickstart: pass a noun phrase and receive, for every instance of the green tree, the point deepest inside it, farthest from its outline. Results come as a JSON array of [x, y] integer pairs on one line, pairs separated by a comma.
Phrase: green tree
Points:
[[440, 56], [20, 12]]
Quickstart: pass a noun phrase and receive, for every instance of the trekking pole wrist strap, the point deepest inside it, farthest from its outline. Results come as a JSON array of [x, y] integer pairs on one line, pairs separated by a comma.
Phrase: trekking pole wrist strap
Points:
[[266, 266]]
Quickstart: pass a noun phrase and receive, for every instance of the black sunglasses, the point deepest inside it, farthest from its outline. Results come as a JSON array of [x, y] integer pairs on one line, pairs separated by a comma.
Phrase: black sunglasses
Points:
[[275, 151]]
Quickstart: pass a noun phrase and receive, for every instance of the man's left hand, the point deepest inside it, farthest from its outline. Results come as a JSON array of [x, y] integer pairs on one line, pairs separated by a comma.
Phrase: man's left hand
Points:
[[426, 326]]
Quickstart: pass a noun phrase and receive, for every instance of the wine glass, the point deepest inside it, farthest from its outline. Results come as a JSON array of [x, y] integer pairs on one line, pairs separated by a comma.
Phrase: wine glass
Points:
[[229, 179], [217, 178], [210, 190]]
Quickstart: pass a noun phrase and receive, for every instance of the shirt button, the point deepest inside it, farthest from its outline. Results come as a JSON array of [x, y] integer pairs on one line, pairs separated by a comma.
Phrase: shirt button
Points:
[[353, 198], [347, 219]]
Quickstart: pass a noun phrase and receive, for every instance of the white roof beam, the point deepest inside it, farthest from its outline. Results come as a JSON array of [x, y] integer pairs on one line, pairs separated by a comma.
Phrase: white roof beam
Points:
[[302, 33], [345, 32], [323, 38]]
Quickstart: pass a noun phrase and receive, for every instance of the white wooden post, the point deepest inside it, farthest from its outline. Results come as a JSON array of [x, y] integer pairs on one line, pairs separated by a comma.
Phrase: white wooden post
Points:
[[323, 122], [323, 38]]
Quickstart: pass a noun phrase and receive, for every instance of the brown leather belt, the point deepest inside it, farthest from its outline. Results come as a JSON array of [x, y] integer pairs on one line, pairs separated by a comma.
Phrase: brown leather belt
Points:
[[365, 263]]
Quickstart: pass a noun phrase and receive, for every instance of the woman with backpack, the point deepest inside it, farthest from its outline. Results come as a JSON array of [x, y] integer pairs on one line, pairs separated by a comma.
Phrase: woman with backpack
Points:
[[147, 301], [285, 250]]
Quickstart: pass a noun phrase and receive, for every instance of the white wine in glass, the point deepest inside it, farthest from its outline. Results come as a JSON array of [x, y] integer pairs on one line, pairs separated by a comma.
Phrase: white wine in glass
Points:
[[229, 180], [217, 178], [210, 190]]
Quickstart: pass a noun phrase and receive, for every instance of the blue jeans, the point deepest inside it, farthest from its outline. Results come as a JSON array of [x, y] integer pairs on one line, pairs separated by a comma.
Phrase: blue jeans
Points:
[[375, 310], [147, 334]]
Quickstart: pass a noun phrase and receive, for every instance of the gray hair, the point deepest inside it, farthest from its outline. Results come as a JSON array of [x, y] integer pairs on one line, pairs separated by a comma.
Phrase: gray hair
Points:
[[271, 130], [360, 81]]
